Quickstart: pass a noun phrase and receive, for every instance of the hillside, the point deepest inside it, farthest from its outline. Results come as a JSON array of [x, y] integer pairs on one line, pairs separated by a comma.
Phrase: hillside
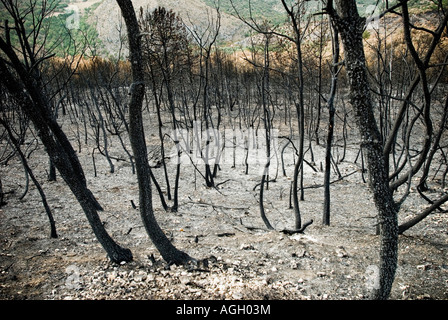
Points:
[[193, 13], [99, 21]]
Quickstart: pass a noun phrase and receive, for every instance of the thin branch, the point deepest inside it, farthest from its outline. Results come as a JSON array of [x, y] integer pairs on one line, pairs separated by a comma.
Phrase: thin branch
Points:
[[405, 226]]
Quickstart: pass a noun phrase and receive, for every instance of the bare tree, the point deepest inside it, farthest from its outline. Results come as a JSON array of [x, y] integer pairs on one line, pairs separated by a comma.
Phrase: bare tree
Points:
[[350, 25], [165, 46], [206, 37], [137, 137], [294, 13], [335, 68]]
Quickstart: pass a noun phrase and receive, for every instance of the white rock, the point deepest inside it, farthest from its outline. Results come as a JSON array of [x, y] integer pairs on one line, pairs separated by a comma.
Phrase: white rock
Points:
[[141, 276], [184, 280], [237, 295]]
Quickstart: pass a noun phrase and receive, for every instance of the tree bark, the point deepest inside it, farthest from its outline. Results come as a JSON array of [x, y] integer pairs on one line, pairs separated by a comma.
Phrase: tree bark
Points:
[[1, 194], [298, 168], [331, 113], [350, 26], [137, 137]]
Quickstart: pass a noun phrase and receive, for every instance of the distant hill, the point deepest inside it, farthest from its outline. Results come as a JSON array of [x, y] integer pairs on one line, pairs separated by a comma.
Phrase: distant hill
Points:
[[106, 16], [101, 24], [107, 19]]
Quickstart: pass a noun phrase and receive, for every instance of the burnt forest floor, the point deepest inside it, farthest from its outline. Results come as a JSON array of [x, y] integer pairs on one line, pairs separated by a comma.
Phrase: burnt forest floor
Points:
[[221, 226]]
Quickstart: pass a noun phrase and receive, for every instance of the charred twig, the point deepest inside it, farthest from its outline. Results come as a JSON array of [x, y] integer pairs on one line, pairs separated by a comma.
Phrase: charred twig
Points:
[[218, 184], [285, 231], [301, 230]]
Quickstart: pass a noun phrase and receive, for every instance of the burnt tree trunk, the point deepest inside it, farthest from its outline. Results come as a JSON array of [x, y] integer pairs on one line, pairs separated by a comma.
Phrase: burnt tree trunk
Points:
[[350, 26], [331, 113], [137, 137], [298, 168]]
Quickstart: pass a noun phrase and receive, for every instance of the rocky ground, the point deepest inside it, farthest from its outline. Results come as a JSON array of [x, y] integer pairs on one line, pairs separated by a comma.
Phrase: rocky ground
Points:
[[222, 228]]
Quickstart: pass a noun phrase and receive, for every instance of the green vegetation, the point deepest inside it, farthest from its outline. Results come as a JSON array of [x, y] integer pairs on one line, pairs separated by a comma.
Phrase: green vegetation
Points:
[[63, 32], [61, 5], [65, 40]]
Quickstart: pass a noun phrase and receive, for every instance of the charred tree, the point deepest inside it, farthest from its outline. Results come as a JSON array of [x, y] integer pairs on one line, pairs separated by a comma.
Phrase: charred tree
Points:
[[137, 137], [331, 112], [350, 26]]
